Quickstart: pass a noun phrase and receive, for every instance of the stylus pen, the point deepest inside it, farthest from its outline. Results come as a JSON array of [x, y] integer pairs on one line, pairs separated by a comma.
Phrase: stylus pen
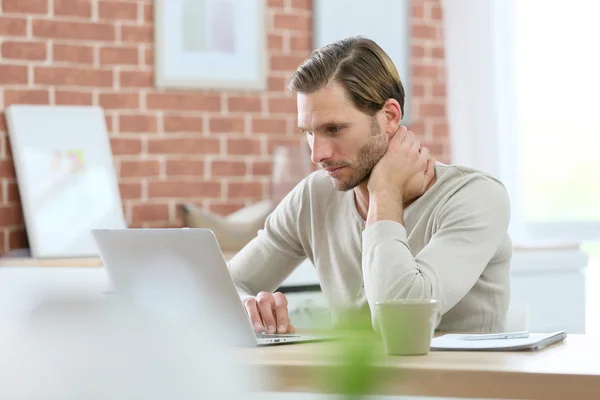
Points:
[[496, 336]]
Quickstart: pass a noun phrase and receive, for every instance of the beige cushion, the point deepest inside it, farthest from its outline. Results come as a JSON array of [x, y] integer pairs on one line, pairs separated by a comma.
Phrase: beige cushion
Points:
[[233, 231]]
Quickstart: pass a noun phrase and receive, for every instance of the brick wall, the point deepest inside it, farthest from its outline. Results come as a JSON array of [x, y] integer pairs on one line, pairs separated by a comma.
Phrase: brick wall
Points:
[[211, 148]]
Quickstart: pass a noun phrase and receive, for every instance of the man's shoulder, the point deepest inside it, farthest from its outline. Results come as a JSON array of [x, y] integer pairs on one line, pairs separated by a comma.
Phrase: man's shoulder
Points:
[[453, 175]]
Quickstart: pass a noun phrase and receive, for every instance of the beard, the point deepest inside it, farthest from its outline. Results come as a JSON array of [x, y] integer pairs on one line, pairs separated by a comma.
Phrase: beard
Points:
[[366, 159]]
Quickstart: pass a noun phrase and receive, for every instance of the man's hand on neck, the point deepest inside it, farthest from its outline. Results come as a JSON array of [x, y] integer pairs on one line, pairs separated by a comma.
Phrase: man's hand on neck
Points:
[[402, 175]]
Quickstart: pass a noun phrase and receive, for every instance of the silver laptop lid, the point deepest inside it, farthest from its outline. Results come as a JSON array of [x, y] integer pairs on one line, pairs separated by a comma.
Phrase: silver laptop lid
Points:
[[176, 271]]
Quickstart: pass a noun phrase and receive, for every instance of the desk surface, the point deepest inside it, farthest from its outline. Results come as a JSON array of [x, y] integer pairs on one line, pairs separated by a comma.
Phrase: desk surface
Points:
[[567, 370]]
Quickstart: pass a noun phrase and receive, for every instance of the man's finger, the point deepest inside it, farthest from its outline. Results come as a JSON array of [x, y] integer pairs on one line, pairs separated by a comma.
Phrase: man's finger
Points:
[[281, 312], [266, 303], [424, 157], [253, 314]]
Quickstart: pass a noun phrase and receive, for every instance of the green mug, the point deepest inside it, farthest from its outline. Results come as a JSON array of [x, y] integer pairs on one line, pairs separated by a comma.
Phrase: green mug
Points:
[[406, 326]]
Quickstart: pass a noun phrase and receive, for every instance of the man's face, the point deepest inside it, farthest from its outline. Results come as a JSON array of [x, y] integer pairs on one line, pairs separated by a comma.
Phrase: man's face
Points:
[[343, 140]]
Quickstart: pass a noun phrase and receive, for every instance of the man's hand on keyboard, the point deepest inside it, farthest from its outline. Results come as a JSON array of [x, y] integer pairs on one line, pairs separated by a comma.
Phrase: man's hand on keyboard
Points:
[[269, 312]]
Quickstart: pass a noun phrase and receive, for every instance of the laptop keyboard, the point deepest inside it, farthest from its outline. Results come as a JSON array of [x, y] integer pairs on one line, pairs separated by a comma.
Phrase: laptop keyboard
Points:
[[263, 335]]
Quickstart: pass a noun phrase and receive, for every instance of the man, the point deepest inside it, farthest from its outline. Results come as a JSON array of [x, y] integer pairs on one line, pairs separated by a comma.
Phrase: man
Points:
[[381, 220]]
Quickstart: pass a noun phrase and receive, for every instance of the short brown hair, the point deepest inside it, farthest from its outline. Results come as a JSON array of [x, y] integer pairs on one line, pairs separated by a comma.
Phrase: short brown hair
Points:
[[360, 65]]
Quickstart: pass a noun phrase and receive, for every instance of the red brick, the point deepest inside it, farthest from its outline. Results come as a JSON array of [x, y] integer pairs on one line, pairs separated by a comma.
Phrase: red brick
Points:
[[243, 146], [276, 4], [419, 31], [148, 13], [275, 42], [117, 10], [292, 141], [25, 97], [286, 63], [73, 8], [7, 168], [71, 97], [302, 4], [276, 84], [137, 34], [418, 89], [17, 239], [440, 129], [150, 212], [119, 100], [226, 125], [10, 74], [182, 124], [110, 126], [184, 146], [68, 30], [228, 168], [271, 125], [125, 146], [136, 79], [11, 215], [432, 110], [185, 167], [24, 50], [139, 168], [436, 12], [13, 26], [73, 76], [73, 53], [138, 123], [301, 43], [13, 195], [294, 22], [438, 52], [226, 208], [418, 11], [149, 57], [183, 189], [417, 51], [243, 104], [130, 190], [261, 168], [119, 56], [25, 6], [283, 106], [425, 71], [184, 101], [244, 189], [439, 90]]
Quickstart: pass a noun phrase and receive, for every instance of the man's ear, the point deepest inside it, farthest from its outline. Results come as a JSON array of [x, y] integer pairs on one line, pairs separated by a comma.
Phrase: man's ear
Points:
[[393, 116]]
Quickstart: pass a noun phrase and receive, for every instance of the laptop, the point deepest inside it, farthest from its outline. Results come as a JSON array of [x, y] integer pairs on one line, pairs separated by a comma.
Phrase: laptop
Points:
[[182, 270]]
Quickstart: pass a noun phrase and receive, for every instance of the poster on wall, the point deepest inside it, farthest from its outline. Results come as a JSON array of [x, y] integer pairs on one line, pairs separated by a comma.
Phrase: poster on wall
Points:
[[210, 44], [387, 22], [66, 177]]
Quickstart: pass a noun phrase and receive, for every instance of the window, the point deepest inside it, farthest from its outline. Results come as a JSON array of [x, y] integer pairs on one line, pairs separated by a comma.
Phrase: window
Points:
[[557, 96]]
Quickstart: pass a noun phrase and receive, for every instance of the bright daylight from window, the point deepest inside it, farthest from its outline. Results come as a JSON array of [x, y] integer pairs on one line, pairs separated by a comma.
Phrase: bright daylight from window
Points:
[[558, 92]]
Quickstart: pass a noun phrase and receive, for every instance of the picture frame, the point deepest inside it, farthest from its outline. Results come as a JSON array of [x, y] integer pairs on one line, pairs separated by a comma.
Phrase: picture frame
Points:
[[387, 22], [210, 44], [66, 176]]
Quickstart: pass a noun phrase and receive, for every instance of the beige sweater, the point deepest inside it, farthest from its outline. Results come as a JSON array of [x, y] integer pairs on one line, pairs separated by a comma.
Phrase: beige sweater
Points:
[[454, 247]]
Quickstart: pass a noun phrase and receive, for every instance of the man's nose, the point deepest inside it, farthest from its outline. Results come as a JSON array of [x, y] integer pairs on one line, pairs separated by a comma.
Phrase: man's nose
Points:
[[321, 149]]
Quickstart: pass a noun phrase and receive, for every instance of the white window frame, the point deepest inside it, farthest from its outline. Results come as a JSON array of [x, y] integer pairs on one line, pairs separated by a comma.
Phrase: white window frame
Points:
[[480, 51]]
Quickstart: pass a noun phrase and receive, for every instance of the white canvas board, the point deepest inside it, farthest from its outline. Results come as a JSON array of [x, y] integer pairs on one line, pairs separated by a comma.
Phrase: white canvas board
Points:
[[66, 177]]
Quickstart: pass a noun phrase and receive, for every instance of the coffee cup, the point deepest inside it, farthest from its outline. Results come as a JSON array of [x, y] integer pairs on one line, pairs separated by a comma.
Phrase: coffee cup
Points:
[[406, 326]]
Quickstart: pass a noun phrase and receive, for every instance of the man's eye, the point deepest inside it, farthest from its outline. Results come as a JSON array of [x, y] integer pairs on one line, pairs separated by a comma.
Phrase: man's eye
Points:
[[334, 129]]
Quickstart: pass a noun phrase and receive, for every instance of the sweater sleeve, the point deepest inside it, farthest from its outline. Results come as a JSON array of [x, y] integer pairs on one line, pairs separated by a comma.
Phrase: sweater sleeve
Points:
[[266, 261], [469, 230]]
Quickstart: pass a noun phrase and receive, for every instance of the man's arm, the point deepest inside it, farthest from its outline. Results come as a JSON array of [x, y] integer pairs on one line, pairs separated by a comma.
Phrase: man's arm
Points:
[[265, 262], [470, 228]]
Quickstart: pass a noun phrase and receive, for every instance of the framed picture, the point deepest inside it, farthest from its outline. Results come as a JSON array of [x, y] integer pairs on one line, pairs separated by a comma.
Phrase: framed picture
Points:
[[387, 22], [210, 44], [66, 177]]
